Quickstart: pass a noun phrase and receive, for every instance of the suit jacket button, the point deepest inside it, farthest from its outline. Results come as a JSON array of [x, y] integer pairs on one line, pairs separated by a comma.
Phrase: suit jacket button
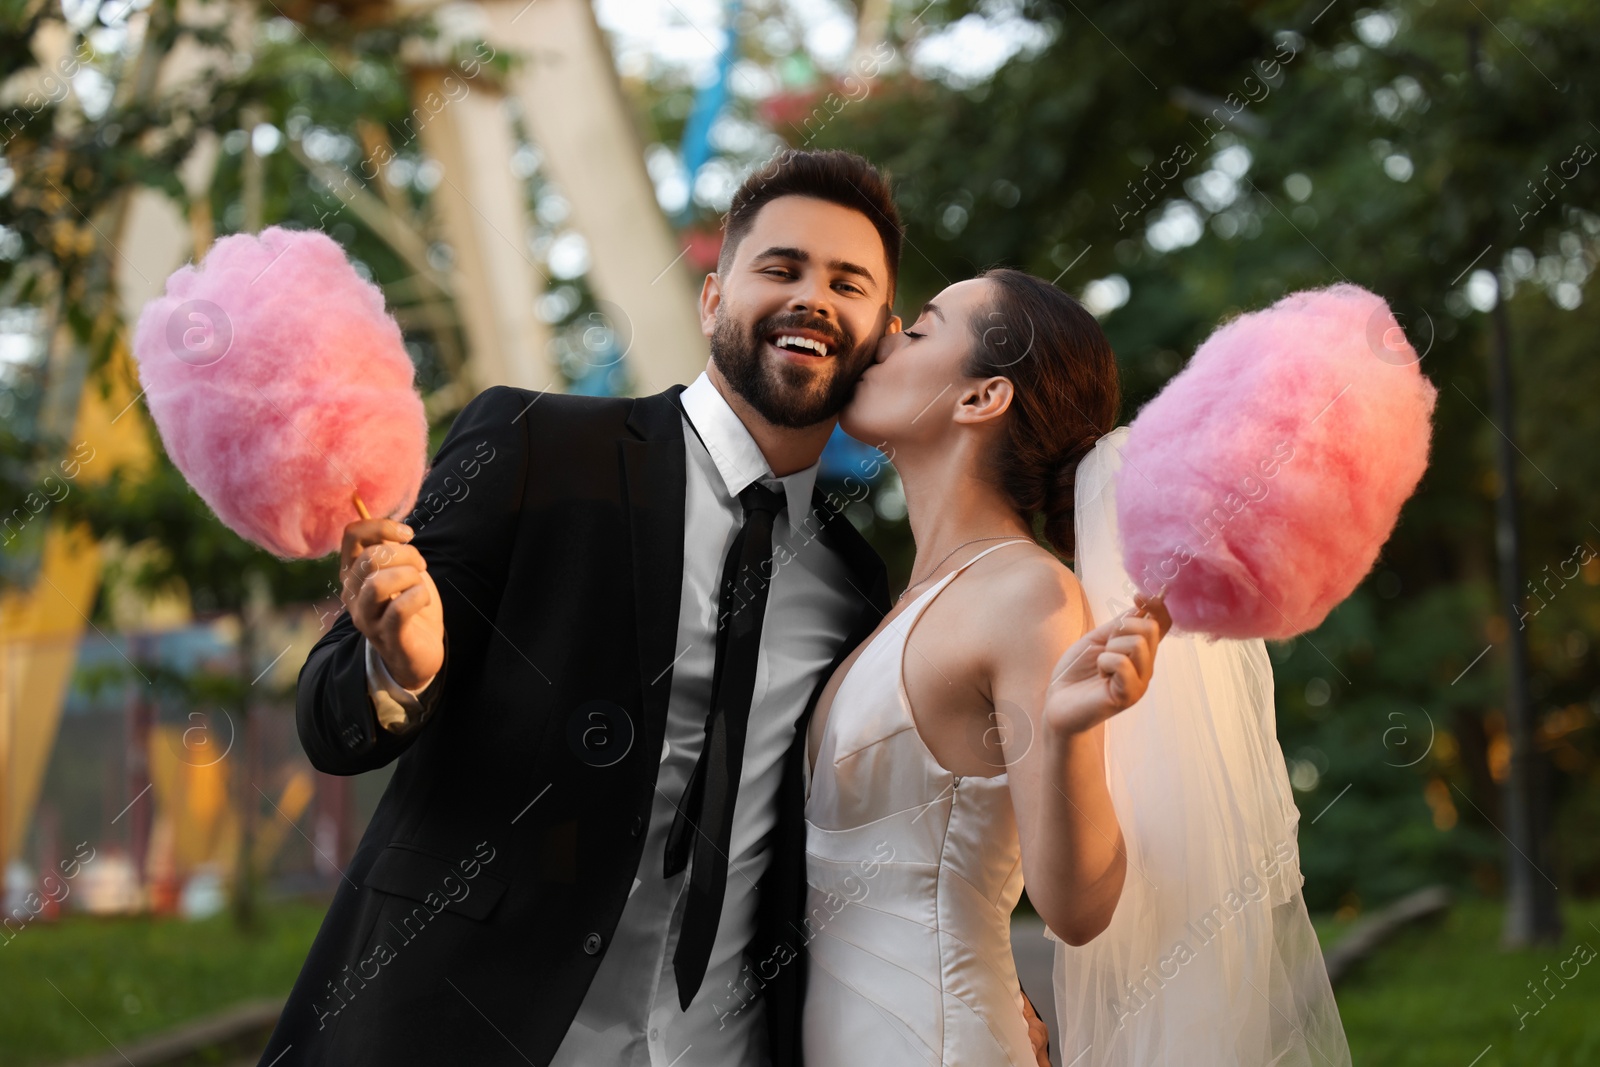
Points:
[[591, 944], [638, 825]]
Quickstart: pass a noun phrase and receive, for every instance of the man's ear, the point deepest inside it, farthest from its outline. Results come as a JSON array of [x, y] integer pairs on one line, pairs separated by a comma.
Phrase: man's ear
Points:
[[985, 400], [710, 300], [894, 325]]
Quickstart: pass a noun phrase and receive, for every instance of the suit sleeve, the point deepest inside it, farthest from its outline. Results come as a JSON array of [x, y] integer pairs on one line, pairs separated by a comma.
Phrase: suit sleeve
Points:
[[465, 521]]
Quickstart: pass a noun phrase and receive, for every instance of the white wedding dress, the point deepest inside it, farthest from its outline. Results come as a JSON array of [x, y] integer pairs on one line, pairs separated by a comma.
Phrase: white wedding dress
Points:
[[1210, 958], [913, 874]]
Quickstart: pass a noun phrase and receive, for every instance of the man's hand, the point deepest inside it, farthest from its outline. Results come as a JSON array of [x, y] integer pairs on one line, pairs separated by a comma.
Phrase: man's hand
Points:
[[1038, 1032], [385, 586]]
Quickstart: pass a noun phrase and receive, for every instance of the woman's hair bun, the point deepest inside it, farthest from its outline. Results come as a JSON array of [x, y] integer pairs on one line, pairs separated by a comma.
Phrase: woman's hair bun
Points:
[[1067, 393]]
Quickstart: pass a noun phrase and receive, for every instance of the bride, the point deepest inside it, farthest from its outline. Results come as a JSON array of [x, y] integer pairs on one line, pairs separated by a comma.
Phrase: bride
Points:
[[974, 744]]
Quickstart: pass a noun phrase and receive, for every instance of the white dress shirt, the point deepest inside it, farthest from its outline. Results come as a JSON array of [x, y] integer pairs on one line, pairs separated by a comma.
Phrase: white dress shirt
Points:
[[630, 1015]]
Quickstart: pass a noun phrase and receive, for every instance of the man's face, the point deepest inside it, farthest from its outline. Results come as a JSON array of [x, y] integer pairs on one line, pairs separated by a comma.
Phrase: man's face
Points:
[[796, 316]]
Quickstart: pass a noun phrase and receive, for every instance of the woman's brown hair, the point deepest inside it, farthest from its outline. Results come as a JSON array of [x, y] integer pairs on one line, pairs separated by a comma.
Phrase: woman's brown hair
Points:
[[1066, 393]]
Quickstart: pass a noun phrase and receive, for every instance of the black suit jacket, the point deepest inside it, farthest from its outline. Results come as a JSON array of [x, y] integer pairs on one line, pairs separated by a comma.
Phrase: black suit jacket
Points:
[[484, 893]]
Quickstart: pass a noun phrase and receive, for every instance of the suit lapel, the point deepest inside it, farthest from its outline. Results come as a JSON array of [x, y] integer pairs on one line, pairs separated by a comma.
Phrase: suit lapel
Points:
[[654, 476], [867, 576]]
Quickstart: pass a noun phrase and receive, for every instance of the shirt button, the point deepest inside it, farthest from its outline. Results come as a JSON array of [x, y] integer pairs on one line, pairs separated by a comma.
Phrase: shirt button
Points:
[[591, 944], [654, 1033], [638, 825]]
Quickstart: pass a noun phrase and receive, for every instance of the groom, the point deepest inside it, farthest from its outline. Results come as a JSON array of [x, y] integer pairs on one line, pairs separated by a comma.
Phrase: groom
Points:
[[591, 658]]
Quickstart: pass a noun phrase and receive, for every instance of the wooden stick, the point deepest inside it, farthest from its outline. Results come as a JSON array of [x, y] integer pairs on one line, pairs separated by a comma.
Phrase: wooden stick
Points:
[[361, 508], [1159, 598]]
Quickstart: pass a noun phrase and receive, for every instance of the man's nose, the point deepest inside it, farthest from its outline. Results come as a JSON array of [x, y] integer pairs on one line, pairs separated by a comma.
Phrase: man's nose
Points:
[[813, 299]]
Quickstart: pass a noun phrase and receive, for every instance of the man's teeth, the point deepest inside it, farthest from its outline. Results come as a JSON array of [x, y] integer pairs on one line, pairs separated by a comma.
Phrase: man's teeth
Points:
[[791, 341]]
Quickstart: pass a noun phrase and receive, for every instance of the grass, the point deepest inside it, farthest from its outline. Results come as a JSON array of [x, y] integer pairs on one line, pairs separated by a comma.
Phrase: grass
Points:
[[1445, 994], [1440, 994], [74, 988]]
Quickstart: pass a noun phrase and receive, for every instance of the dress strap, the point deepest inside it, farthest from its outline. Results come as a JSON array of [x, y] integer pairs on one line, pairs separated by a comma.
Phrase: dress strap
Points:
[[915, 611], [913, 614], [980, 555]]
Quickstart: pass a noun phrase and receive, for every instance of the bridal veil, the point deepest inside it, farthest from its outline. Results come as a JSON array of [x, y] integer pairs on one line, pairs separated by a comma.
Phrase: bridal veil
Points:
[[1210, 959]]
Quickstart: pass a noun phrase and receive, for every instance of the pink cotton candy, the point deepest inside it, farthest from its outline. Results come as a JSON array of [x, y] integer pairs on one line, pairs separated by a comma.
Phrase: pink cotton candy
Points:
[[1262, 481], [280, 386]]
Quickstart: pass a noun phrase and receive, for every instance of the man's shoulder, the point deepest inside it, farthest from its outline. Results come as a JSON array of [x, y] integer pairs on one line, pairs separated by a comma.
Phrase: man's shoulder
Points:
[[547, 411], [828, 524], [550, 404]]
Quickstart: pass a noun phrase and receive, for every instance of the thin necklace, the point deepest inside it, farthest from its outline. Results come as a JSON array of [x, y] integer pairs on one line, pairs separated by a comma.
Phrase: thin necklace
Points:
[[947, 555]]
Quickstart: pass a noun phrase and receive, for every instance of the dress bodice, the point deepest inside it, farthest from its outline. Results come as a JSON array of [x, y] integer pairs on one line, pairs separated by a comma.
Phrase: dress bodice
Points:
[[913, 873]]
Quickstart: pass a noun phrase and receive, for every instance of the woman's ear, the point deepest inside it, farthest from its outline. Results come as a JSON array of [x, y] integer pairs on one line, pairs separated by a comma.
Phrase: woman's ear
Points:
[[985, 400]]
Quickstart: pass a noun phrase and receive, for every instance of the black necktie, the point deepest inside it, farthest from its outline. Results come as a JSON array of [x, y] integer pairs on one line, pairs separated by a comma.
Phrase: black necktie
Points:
[[705, 814]]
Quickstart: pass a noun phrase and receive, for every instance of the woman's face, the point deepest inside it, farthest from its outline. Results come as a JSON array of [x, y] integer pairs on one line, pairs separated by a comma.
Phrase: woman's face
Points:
[[910, 391]]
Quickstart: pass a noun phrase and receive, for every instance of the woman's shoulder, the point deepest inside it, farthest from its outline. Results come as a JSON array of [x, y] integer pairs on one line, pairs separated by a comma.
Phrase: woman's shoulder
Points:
[[1031, 609], [1028, 583]]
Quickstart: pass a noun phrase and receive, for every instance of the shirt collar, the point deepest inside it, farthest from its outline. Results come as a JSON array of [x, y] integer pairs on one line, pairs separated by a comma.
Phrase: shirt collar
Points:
[[737, 456]]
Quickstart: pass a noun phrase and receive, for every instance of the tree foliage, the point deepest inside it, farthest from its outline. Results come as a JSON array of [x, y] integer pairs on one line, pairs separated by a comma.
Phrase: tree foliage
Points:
[[1202, 161]]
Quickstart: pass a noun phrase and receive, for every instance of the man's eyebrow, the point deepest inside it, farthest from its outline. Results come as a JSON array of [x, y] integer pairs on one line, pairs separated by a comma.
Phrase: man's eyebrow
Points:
[[800, 255], [782, 252], [846, 267]]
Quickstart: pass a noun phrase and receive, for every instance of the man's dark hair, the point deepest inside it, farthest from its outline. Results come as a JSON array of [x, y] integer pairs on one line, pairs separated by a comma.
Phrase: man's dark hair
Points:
[[842, 178]]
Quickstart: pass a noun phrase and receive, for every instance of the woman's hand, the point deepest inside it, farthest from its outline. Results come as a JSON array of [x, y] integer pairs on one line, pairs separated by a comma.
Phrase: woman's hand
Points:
[[1106, 670]]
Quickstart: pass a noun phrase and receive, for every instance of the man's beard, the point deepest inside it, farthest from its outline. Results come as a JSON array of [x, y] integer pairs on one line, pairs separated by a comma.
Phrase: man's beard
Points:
[[781, 393]]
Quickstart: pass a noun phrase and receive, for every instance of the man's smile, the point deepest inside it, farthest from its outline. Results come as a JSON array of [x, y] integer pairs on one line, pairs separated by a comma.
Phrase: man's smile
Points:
[[802, 345]]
